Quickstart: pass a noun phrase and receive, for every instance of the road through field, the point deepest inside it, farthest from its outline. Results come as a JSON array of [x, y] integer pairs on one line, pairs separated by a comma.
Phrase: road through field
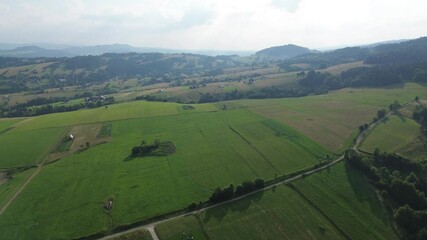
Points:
[[23, 186], [150, 227]]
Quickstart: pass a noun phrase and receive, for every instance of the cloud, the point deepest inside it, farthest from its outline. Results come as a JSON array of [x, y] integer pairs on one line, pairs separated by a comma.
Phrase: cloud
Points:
[[288, 5], [211, 24]]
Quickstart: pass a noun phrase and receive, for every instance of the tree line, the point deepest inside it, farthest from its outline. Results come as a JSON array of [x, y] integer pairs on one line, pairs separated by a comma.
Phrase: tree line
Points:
[[227, 193], [401, 185]]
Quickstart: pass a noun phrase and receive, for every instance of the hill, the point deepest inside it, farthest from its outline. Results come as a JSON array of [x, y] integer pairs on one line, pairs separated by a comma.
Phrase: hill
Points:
[[282, 52]]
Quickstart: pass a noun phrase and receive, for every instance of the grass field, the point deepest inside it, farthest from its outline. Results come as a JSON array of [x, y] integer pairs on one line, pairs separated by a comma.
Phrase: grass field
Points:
[[10, 186], [392, 134], [212, 149], [333, 203], [274, 214], [347, 199], [138, 235], [20, 148], [416, 150], [7, 124], [333, 119], [137, 109]]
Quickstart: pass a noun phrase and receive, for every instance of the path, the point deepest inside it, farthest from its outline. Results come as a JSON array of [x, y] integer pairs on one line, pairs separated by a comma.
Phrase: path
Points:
[[24, 185], [39, 167]]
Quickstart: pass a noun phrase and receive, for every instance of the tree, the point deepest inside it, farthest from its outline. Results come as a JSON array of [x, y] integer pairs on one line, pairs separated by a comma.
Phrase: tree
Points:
[[417, 99], [381, 113], [394, 106], [259, 183], [407, 218]]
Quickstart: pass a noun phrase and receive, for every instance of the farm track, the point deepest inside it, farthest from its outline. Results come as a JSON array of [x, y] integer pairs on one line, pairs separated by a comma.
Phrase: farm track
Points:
[[359, 139], [25, 184]]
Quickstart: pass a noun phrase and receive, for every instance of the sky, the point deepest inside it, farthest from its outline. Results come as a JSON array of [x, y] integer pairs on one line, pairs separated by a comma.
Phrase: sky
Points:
[[212, 24]]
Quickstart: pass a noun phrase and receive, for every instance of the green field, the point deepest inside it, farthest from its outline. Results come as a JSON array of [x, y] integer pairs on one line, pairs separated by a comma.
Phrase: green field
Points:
[[9, 187], [334, 204], [7, 124], [392, 134], [262, 138], [129, 110], [138, 235], [349, 201], [212, 149], [333, 119], [20, 148], [273, 214]]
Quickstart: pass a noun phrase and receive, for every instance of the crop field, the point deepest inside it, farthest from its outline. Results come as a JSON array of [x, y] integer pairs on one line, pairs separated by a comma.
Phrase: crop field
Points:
[[274, 214], [349, 201], [392, 134], [7, 124], [212, 149], [138, 109], [333, 119], [9, 186], [330, 205], [20, 148]]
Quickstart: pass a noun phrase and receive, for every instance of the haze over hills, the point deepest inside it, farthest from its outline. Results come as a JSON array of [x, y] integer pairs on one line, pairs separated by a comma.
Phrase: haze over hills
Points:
[[54, 50]]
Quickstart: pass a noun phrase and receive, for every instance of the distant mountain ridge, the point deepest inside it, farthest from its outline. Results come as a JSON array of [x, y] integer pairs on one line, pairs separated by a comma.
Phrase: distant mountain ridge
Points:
[[36, 51], [283, 52]]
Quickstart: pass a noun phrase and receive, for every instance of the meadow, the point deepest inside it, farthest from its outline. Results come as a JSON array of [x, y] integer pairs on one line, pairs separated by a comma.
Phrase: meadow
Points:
[[333, 119], [7, 124], [22, 148], [349, 201], [335, 204], [392, 134], [212, 149], [274, 214]]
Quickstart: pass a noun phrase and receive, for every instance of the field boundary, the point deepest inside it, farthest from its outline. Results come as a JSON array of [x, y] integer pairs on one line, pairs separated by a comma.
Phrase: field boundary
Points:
[[291, 186], [253, 147]]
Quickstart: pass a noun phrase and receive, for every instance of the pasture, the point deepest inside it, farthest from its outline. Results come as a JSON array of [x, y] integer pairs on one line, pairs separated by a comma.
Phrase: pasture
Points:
[[21, 148], [349, 201], [129, 110], [333, 119], [9, 186], [274, 214], [391, 134], [212, 149], [332, 204], [7, 124]]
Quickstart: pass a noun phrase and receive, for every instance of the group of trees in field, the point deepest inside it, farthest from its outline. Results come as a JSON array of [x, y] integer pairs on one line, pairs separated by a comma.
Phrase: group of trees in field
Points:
[[145, 149], [227, 193], [400, 184]]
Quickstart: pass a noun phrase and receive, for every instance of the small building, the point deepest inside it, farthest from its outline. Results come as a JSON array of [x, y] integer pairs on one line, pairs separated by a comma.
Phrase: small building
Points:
[[71, 136]]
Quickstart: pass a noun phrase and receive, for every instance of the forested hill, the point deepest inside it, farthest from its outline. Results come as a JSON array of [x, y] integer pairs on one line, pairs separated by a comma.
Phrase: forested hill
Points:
[[282, 52], [408, 52], [385, 65], [80, 70]]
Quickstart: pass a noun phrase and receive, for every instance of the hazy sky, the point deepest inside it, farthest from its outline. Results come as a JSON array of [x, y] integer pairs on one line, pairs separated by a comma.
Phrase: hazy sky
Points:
[[212, 24]]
